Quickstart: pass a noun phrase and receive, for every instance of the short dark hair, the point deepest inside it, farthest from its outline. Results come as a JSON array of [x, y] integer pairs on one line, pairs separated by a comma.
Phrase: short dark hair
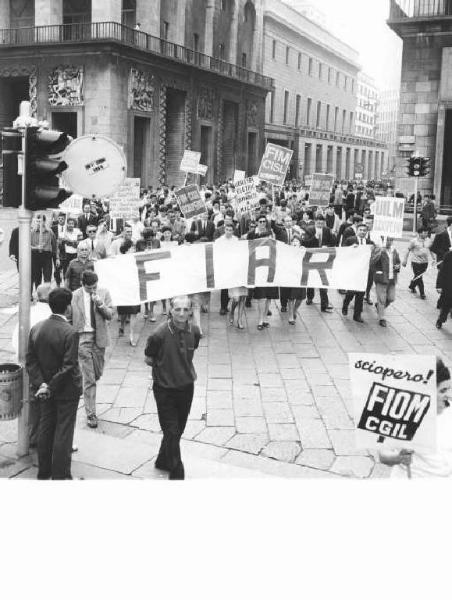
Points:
[[357, 219], [59, 300], [449, 221], [319, 217], [89, 277], [442, 372], [124, 248]]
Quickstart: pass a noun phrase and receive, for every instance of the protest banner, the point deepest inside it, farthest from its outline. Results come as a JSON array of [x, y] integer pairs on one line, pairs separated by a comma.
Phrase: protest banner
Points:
[[388, 216], [157, 274], [274, 164], [125, 202], [247, 198], [190, 202], [320, 191], [394, 399], [72, 205], [239, 176], [190, 161]]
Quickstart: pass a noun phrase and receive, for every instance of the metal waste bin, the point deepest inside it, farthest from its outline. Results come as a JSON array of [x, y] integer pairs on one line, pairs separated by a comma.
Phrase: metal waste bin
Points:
[[11, 381]]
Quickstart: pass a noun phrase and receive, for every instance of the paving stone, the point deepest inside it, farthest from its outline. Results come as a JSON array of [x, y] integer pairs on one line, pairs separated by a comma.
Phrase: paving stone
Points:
[[220, 371], [284, 451], [283, 347], [217, 358], [269, 380], [305, 351], [301, 411], [113, 375], [316, 458], [220, 418], [300, 397], [333, 413], [293, 375], [248, 442], [121, 415], [251, 425], [219, 399], [244, 407], [288, 361], [278, 412], [277, 394], [313, 433], [219, 384], [343, 442], [131, 397], [216, 435], [380, 471], [149, 422], [353, 466], [106, 393], [313, 365], [193, 428], [324, 391], [283, 432]]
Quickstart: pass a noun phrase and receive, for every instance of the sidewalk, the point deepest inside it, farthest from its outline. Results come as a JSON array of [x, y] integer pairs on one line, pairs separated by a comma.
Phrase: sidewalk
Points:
[[267, 403]]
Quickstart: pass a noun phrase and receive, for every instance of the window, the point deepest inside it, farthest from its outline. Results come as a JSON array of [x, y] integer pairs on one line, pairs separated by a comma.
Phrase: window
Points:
[[318, 114], [327, 125], [344, 118], [330, 75], [221, 51], [299, 61], [345, 82], [287, 54], [244, 60], [196, 42], [351, 122], [311, 66], [128, 13], [165, 30], [338, 75], [308, 112], [336, 114], [286, 106], [274, 49], [320, 70], [297, 109], [272, 106]]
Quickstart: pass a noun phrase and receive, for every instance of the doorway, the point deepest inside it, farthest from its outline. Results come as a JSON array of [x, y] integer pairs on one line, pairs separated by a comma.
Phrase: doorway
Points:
[[207, 152]]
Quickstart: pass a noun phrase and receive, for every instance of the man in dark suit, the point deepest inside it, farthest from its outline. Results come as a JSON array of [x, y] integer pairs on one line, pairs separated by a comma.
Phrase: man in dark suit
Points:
[[203, 228], [87, 218], [321, 238], [360, 239], [52, 364], [14, 246], [444, 287], [284, 233], [442, 242]]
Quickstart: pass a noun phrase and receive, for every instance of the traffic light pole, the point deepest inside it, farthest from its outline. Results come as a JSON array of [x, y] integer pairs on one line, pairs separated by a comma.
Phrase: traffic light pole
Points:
[[416, 180], [25, 216]]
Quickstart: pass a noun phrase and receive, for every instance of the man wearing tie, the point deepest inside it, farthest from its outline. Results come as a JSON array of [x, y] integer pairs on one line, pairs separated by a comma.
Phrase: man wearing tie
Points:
[[97, 249], [91, 310], [360, 239], [321, 237], [203, 228], [284, 234]]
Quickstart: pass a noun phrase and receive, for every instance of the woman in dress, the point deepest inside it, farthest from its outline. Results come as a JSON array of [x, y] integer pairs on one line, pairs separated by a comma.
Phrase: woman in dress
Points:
[[414, 464], [263, 295], [128, 311]]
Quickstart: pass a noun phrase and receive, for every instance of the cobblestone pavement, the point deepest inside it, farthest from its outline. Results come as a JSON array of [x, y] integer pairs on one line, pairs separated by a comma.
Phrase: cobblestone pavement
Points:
[[275, 402]]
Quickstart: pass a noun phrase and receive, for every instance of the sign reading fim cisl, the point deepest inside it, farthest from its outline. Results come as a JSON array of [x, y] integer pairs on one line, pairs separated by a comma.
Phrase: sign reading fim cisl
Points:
[[394, 399]]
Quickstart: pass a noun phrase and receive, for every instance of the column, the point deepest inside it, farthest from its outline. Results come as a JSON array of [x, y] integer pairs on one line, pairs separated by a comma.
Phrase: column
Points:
[[148, 15], [364, 163], [4, 15], [102, 11], [348, 153], [233, 36], [208, 33], [324, 159], [339, 162], [370, 165], [334, 156], [377, 165], [178, 36], [258, 41]]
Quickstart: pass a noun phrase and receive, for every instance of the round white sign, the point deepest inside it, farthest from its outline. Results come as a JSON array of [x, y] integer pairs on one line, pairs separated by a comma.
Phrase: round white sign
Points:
[[96, 166]]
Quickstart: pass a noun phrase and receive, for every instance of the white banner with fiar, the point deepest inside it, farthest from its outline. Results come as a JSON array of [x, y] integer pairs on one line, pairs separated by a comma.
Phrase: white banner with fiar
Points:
[[153, 275]]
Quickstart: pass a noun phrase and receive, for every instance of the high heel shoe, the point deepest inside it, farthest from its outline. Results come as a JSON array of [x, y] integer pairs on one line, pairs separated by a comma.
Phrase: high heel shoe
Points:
[[240, 326], [132, 343]]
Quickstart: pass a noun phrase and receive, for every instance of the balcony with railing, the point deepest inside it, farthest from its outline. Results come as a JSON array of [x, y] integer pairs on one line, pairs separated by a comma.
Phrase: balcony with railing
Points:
[[85, 33], [421, 10]]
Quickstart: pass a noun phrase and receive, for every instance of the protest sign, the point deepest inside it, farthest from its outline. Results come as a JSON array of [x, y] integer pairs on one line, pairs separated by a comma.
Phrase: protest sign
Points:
[[394, 399], [72, 205], [125, 202], [388, 216], [190, 201], [239, 176], [319, 194], [153, 275], [308, 180], [274, 164], [247, 198], [202, 170], [190, 161]]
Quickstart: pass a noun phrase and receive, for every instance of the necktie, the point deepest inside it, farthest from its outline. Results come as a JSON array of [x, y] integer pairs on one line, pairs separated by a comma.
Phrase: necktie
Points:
[[92, 245], [92, 312]]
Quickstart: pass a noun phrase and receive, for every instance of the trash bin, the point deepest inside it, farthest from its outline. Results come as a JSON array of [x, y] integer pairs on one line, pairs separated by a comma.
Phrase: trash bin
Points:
[[11, 379]]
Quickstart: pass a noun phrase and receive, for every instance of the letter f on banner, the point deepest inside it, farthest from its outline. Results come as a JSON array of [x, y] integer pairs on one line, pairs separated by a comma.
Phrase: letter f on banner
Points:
[[143, 276], [254, 263]]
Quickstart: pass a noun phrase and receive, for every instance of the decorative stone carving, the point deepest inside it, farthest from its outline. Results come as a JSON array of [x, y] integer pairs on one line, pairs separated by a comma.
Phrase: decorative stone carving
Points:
[[32, 74], [206, 103], [162, 134], [66, 86], [188, 113], [220, 126], [141, 91], [252, 114]]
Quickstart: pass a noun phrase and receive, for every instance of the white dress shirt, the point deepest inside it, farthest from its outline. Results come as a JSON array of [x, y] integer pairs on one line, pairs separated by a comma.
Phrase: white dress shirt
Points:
[[87, 306]]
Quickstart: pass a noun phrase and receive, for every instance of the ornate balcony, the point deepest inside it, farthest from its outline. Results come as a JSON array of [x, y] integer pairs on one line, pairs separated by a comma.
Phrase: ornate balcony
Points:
[[414, 13], [74, 33]]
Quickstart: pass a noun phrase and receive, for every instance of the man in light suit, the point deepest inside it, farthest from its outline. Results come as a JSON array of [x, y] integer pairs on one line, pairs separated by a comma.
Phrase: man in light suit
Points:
[[91, 311], [52, 364]]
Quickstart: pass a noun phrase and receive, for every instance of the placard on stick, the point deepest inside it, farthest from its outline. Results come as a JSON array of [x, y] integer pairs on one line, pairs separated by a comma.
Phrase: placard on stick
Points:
[[388, 216], [394, 399], [274, 164], [321, 184], [190, 202], [124, 204]]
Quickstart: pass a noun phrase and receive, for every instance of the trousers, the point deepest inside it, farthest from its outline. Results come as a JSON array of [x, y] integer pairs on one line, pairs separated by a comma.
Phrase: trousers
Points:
[[55, 436], [91, 359], [385, 295], [418, 270], [41, 267], [358, 305], [173, 408], [323, 296]]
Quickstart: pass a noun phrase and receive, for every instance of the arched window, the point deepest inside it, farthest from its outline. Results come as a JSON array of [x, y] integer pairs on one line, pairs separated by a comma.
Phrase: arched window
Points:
[[249, 12]]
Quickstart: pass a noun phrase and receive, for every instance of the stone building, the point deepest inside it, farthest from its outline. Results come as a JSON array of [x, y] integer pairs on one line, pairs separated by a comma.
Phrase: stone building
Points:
[[157, 76], [313, 106], [425, 118], [387, 120], [366, 107]]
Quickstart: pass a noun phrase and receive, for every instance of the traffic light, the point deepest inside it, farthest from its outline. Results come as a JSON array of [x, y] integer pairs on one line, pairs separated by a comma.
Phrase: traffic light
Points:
[[12, 184], [418, 166], [42, 185]]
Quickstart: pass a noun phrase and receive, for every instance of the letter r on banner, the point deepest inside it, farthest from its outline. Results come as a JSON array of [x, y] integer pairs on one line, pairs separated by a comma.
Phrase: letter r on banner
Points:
[[143, 276], [254, 263], [320, 266]]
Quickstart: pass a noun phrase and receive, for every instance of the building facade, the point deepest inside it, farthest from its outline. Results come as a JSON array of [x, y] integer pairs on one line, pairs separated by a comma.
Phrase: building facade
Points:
[[312, 108], [425, 117], [366, 107], [387, 120], [157, 77]]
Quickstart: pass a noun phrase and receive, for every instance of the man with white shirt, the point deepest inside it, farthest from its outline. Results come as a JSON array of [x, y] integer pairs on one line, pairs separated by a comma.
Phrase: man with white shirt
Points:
[[360, 239], [386, 264], [117, 243], [91, 311], [96, 248]]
